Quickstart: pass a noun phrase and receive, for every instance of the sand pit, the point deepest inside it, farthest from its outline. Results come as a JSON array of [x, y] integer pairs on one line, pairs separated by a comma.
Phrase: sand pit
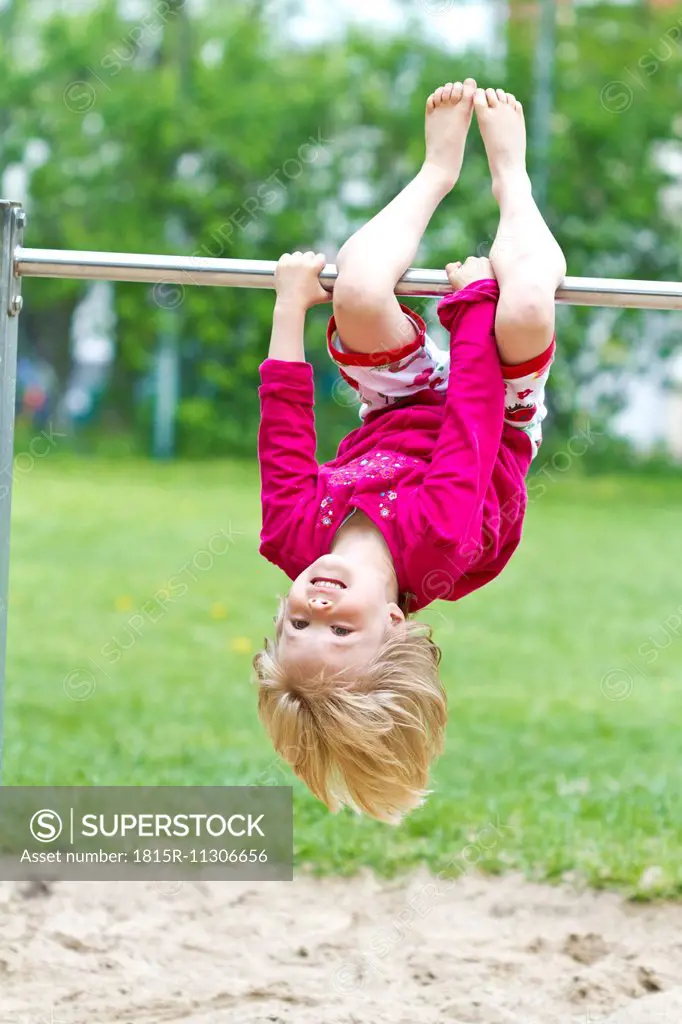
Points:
[[417, 951]]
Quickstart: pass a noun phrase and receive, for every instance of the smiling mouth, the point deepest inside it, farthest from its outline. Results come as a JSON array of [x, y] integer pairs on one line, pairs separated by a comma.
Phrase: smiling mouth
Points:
[[324, 583]]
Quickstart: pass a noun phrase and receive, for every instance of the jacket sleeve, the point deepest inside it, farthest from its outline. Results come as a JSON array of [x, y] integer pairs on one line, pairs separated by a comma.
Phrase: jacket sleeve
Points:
[[286, 454], [449, 503]]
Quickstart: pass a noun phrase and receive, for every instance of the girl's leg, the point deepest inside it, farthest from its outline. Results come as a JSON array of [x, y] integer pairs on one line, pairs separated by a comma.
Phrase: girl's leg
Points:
[[528, 262], [368, 315]]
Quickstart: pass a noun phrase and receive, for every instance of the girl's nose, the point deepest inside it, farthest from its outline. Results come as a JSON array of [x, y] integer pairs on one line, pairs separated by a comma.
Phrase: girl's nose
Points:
[[319, 602]]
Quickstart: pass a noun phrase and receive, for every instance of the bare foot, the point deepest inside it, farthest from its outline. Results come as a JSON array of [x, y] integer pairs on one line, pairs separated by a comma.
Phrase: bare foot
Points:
[[448, 116], [500, 118]]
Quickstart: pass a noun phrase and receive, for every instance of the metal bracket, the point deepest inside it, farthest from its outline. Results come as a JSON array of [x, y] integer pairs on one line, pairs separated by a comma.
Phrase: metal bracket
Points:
[[16, 302]]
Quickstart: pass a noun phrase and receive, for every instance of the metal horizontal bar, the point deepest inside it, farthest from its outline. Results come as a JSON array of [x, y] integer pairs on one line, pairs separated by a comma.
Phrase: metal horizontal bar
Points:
[[200, 270]]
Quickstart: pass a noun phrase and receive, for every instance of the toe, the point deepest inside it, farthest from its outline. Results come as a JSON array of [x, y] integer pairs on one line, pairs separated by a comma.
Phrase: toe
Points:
[[501, 95], [491, 96], [457, 93], [511, 99], [438, 96], [480, 100], [447, 91], [431, 102], [469, 89]]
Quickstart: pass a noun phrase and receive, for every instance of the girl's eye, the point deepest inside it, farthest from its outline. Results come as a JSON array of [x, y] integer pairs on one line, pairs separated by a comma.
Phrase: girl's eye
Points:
[[341, 630], [299, 623]]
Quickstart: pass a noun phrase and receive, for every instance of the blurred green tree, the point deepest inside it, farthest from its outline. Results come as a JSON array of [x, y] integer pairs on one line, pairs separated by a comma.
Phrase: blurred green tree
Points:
[[615, 166]]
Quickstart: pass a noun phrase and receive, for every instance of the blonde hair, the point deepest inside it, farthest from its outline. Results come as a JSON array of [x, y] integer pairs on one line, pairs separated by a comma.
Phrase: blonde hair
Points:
[[368, 742]]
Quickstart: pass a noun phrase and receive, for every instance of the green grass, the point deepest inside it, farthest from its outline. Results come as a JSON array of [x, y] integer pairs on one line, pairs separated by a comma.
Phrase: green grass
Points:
[[574, 781]]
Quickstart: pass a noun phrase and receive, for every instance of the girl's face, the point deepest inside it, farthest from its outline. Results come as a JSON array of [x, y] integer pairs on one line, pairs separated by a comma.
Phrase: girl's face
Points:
[[336, 617]]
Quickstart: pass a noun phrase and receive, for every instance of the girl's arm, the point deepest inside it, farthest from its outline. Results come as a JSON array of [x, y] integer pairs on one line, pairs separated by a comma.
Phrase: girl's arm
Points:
[[286, 438], [286, 340], [451, 497], [297, 283]]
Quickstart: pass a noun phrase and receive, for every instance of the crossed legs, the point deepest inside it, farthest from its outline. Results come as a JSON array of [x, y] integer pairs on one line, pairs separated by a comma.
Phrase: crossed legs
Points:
[[527, 261]]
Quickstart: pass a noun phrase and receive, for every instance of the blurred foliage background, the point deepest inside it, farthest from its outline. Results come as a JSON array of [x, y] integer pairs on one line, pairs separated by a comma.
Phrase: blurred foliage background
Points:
[[216, 132]]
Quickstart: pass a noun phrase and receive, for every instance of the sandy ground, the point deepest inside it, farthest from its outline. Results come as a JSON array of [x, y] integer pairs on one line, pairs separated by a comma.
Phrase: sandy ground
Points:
[[418, 951]]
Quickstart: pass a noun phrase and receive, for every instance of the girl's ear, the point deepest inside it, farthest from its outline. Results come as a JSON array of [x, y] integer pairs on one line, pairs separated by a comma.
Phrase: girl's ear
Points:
[[397, 615]]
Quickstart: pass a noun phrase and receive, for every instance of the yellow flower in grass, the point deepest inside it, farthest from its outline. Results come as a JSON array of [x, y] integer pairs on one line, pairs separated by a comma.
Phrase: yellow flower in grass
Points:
[[218, 611], [240, 645], [123, 603]]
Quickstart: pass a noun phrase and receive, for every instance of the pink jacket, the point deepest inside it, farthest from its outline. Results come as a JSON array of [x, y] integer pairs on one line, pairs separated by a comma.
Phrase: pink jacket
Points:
[[441, 476]]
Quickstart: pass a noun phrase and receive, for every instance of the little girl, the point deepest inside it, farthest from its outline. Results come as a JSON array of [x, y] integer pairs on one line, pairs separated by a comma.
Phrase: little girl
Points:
[[425, 500]]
